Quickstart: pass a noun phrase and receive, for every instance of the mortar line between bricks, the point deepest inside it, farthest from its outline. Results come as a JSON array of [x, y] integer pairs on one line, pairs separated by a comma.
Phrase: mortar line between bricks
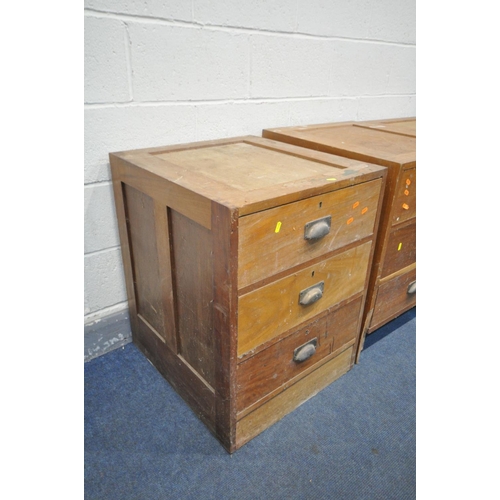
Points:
[[128, 58], [103, 250], [106, 182], [251, 100], [236, 29]]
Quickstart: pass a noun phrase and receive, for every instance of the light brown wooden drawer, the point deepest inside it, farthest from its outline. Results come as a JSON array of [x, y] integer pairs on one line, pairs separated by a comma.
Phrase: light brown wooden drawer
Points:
[[401, 249], [273, 240], [405, 200], [271, 370], [274, 309], [275, 409], [393, 298]]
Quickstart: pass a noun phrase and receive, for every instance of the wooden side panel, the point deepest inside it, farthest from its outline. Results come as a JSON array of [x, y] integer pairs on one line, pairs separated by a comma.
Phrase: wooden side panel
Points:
[[193, 277], [273, 367], [147, 273], [401, 249], [126, 250], [186, 382], [393, 299], [273, 241], [275, 409], [162, 226], [273, 309], [405, 198]]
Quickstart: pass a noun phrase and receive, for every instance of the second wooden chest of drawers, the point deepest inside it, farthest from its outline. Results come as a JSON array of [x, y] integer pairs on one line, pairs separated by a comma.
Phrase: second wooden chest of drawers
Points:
[[391, 143], [246, 263]]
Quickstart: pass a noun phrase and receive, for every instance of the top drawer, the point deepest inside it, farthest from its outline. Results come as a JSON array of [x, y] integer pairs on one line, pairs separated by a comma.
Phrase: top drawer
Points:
[[277, 239], [405, 198]]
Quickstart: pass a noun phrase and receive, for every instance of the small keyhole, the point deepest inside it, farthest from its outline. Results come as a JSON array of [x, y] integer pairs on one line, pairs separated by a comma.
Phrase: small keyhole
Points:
[[312, 274], [320, 204]]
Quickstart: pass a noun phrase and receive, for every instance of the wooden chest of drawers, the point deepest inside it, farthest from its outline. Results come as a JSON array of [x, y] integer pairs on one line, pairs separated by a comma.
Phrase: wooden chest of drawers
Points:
[[391, 143], [246, 263]]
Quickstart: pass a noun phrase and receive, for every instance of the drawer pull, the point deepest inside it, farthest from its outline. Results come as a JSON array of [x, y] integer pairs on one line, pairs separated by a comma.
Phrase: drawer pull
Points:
[[412, 287], [316, 229], [312, 294], [305, 351]]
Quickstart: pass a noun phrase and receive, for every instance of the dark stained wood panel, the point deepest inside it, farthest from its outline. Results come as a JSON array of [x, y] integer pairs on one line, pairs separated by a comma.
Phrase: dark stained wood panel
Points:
[[147, 276], [401, 249], [193, 277]]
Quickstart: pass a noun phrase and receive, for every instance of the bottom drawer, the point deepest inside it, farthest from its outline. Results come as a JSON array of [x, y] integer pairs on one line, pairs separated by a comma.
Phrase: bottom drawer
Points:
[[394, 297], [268, 371], [285, 402]]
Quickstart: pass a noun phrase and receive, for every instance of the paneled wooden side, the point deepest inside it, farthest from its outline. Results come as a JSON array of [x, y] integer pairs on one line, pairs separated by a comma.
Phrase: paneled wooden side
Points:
[[150, 283], [147, 274], [126, 250], [194, 291], [181, 376]]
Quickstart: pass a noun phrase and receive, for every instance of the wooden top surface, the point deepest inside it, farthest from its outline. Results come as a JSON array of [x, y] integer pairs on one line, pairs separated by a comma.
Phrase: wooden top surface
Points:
[[250, 172], [355, 140], [404, 126]]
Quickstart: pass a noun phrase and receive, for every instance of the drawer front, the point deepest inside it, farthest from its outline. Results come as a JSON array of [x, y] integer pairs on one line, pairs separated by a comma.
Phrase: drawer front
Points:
[[394, 297], [405, 200], [279, 406], [401, 249], [268, 370], [275, 240], [267, 312]]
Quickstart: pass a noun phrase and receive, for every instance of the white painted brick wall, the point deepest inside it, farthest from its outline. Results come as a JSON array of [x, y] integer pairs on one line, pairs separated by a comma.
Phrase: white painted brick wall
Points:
[[161, 72], [172, 63]]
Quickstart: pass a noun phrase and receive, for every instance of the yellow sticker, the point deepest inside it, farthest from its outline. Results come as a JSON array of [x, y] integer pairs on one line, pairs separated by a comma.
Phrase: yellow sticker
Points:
[[356, 205], [278, 227], [350, 220], [331, 179], [364, 210], [399, 246]]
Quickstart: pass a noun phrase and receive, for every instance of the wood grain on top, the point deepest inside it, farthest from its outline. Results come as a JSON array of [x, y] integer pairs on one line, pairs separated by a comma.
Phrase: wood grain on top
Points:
[[357, 142]]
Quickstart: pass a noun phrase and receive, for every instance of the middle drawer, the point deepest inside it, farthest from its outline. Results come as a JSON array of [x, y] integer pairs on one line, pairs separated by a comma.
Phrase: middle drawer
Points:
[[271, 310]]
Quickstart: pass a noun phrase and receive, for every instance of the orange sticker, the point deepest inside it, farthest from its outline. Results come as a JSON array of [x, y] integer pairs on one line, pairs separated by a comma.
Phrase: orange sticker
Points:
[[350, 220], [356, 205], [364, 210], [408, 182], [407, 192], [405, 206]]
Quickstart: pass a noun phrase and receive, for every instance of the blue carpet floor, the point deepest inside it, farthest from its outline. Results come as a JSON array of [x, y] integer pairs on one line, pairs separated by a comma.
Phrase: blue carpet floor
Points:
[[353, 440]]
